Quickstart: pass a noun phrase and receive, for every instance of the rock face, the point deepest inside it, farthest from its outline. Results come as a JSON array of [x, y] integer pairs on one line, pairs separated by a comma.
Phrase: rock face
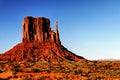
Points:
[[38, 30], [39, 43]]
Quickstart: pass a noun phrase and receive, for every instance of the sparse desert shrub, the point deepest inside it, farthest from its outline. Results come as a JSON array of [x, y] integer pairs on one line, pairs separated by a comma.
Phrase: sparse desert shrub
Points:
[[78, 72], [35, 70], [31, 60], [107, 66], [58, 69], [16, 69]]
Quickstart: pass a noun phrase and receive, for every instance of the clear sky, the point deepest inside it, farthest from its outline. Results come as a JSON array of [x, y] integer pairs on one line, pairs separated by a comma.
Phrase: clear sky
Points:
[[89, 28]]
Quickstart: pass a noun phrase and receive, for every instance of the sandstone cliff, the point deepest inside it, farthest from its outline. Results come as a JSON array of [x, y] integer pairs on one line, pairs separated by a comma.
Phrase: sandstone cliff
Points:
[[38, 30], [39, 43]]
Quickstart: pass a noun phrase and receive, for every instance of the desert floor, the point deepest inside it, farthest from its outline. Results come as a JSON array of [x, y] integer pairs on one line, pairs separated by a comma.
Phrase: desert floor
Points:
[[87, 70]]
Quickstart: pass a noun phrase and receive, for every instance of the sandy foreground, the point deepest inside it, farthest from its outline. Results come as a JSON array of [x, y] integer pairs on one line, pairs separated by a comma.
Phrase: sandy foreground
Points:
[[89, 70]]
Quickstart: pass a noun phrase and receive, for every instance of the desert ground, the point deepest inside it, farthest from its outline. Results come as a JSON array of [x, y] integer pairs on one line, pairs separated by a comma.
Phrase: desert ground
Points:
[[86, 70]]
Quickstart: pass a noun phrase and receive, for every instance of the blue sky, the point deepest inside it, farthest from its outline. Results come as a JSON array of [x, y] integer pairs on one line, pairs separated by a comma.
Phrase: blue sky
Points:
[[89, 28]]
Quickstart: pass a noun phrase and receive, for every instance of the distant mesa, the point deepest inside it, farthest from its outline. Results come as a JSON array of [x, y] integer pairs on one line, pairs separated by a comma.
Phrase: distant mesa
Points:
[[39, 43]]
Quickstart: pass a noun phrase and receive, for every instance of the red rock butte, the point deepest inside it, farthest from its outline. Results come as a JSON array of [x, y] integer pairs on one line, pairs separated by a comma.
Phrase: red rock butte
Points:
[[39, 43], [38, 30]]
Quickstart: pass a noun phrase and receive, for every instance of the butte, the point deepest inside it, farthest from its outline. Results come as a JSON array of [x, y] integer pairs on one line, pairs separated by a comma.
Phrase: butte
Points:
[[39, 43]]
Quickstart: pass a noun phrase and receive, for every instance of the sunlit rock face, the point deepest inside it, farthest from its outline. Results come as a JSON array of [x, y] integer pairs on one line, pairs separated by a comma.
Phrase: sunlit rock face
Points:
[[39, 43], [38, 30]]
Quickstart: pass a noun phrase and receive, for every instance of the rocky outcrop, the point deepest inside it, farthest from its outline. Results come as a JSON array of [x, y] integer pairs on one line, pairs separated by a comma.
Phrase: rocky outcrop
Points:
[[39, 43], [38, 30]]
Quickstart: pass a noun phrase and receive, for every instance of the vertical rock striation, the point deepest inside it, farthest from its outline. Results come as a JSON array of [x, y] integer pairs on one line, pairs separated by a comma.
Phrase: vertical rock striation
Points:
[[38, 30]]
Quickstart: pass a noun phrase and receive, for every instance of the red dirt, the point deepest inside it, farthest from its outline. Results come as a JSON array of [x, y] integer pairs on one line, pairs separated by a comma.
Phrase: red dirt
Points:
[[51, 52]]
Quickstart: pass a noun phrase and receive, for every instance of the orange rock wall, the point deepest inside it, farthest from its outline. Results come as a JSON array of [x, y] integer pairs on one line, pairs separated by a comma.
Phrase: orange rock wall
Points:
[[38, 29]]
